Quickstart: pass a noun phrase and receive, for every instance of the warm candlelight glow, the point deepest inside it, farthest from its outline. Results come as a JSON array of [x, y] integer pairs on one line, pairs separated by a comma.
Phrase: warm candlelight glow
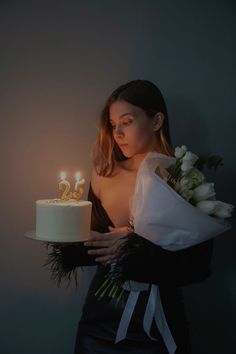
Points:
[[63, 175], [78, 192], [77, 176]]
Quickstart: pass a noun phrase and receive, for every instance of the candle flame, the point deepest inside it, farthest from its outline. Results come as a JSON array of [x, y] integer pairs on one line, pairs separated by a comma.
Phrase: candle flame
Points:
[[63, 175], [77, 176]]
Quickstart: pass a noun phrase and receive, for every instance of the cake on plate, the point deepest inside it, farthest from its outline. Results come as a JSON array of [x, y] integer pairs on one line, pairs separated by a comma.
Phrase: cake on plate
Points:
[[60, 220]]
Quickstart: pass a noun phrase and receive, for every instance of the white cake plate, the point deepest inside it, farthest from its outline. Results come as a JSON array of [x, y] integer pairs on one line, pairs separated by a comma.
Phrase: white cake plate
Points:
[[32, 235]]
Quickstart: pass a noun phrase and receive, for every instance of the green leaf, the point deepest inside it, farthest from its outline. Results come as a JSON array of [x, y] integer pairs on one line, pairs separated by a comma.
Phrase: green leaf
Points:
[[209, 161]]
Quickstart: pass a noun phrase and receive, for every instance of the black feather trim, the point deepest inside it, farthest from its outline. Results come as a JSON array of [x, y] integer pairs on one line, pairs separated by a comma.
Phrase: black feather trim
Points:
[[63, 261], [132, 243]]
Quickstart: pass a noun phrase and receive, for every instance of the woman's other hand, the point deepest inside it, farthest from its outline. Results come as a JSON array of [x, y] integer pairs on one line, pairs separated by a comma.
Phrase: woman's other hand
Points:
[[108, 243]]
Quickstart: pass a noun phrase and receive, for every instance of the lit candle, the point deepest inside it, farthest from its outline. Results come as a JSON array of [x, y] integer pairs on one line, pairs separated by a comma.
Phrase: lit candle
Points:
[[78, 186], [64, 184]]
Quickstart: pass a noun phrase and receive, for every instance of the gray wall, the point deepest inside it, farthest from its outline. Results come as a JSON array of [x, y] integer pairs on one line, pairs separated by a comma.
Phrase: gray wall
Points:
[[59, 62]]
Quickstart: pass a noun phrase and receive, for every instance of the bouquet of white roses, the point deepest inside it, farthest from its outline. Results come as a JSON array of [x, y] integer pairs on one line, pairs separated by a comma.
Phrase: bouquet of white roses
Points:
[[173, 206], [190, 183]]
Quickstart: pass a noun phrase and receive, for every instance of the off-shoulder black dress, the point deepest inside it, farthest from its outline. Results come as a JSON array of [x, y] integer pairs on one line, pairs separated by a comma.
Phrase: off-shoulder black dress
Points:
[[170, 270]]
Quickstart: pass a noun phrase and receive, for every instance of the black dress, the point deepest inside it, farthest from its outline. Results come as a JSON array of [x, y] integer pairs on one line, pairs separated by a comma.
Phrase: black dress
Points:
[[170, 270]]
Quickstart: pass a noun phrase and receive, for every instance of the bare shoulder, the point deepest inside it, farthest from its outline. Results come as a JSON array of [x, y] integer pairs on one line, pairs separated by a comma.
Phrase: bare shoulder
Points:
[[99, 183]]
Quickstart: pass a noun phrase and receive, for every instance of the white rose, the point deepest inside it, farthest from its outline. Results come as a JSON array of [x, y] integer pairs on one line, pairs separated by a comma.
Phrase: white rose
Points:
[[190, 156], [186, 166], [188, 161], [208, 206], [180, 151], [223, 210], [204, 191]]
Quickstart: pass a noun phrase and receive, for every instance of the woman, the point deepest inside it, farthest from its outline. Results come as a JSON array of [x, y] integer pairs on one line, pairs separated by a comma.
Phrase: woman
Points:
[[133, 122]]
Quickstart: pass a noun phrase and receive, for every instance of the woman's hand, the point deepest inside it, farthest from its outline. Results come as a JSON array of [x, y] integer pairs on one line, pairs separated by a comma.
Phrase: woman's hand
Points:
[[108, 243]]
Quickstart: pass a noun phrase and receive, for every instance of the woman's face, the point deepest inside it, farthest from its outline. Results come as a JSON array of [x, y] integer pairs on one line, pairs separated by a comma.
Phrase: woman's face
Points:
[[132, 128]]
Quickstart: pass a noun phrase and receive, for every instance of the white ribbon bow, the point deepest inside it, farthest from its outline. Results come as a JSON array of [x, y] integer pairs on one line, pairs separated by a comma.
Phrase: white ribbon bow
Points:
[[154, 310]]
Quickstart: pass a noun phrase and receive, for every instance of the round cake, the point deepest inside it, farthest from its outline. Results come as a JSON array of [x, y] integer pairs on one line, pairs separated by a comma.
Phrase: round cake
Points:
[[63, 221]]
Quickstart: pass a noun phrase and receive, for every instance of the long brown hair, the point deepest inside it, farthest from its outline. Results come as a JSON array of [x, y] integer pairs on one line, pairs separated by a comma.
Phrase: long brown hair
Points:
[[143, 94]]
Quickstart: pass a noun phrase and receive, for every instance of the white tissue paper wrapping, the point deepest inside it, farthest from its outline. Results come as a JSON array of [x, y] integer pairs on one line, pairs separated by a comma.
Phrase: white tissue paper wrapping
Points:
[[162, 216]]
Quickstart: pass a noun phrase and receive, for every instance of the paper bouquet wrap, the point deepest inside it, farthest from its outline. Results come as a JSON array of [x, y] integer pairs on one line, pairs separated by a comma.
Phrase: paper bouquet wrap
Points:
[[164, 217], [161, 215]]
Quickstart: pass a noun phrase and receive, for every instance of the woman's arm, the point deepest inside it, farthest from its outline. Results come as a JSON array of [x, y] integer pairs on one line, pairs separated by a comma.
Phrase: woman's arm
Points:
[[151, 263], [76, 256]]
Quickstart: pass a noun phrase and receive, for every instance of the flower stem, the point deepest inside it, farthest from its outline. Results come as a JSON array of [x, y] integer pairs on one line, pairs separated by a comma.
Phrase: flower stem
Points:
[[111, 291], [120, 296], [102, 286], [104, 291]]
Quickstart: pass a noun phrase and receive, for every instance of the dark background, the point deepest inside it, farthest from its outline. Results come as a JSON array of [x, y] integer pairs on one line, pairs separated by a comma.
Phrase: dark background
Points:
[[59, 61]]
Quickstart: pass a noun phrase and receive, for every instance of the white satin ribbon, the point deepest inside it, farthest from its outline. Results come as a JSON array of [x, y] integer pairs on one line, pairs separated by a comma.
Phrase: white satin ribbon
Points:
[[155, 310], [126, 315]]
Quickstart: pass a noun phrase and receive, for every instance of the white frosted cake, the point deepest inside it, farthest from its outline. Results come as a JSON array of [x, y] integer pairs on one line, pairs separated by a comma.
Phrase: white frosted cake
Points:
[[63, 221]]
